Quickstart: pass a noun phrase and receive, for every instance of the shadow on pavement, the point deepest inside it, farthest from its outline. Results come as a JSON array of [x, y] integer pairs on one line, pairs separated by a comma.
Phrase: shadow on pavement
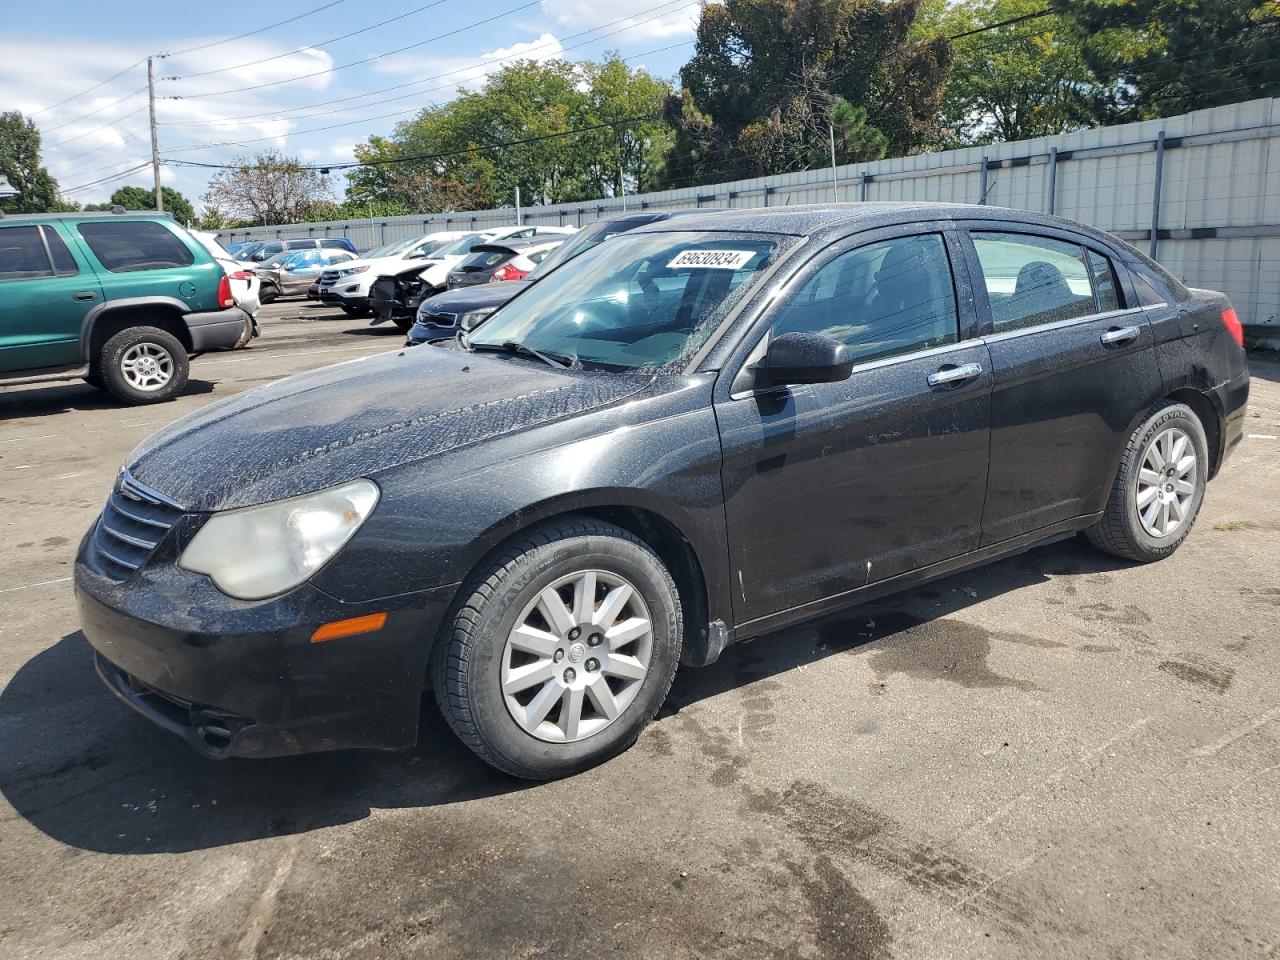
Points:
[[87, 771], [44, 401]]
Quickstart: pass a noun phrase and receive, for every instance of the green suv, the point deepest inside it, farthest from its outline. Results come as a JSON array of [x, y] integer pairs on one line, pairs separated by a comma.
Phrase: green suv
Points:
[[120, 300]]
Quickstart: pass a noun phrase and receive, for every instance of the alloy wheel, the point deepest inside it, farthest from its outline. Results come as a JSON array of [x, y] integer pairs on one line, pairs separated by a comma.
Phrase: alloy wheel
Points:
[[1166, 483], [577, 657], [147, 367]]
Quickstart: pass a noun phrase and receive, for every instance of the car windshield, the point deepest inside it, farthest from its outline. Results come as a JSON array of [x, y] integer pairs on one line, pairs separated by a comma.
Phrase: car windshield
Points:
[[643, 300], [392, 249], [460, 246], [584, 240]]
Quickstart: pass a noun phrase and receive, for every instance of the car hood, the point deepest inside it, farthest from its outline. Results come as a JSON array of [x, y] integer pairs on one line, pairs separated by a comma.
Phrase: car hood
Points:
[[477, 297], [356, 419]]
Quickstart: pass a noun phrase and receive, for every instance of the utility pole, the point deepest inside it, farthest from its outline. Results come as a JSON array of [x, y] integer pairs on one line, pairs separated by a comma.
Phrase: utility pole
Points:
[[155, 143], [622, 190], [519, 219], [835, 184]]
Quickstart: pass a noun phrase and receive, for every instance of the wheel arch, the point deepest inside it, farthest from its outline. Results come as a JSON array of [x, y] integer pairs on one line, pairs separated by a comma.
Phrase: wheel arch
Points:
[[1210, 416], [109, 318], [669, 536]]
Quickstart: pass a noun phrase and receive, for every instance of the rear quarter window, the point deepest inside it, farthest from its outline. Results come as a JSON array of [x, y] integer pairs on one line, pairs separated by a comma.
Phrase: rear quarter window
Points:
[[127, 246]]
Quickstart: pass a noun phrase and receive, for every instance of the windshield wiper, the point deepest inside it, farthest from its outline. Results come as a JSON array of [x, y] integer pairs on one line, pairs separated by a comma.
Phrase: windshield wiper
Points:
[[557, 360]]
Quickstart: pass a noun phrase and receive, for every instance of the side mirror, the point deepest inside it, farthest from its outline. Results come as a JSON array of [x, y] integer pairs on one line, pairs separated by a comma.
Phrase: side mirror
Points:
[[804, 358]]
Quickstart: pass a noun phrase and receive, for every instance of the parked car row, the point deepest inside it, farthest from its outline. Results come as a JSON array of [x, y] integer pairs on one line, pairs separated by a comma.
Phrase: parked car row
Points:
[[685, 433]]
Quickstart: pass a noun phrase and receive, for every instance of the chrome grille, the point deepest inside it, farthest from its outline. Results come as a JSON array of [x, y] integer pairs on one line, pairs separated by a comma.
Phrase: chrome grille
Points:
[[329, 276], [132, 524]]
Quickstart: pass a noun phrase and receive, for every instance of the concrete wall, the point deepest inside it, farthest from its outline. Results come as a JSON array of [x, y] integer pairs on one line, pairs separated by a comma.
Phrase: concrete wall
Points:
[[1219, 197]]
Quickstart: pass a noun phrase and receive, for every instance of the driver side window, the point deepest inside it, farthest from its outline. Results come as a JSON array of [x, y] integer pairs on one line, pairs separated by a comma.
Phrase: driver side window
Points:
[[880, 300]]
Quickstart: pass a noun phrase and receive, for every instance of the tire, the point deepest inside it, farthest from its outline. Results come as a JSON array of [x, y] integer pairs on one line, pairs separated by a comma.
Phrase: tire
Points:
[[138, 344], [403, 324], [248, 333], [356, 311], [268, 294], [473, 658], [1123, 531]]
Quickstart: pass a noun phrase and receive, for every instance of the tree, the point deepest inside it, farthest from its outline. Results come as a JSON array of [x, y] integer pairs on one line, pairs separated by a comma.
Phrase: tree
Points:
[[140, 198], [265, 189], [770, 79], [20, 165], [446, 159], [1162, 57], [1026, 79]]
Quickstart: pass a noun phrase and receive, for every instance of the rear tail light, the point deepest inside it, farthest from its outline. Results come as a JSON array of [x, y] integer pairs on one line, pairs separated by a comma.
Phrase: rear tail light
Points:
[[225, 299], [243, 275], [509, 272], [1233, 325]]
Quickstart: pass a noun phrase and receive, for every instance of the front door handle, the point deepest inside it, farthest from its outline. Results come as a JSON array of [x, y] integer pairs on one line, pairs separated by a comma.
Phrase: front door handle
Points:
[[85, 296], [1119, 335], [950, 375]]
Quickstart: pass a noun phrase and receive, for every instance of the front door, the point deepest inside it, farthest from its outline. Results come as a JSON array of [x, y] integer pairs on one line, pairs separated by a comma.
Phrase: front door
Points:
[[831, 487], [45, 293], [1071, 363]]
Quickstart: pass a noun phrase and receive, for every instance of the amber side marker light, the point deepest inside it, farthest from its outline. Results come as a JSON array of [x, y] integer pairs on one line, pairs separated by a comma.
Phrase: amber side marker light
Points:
[[349, 628]]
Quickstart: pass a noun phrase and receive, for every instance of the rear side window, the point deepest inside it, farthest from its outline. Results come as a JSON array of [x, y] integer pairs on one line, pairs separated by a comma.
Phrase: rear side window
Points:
[[338, 244], [301, 245], [132, 245], [22, 254], [1037, 280], [64, 265], [1148, 295], [880, 300]]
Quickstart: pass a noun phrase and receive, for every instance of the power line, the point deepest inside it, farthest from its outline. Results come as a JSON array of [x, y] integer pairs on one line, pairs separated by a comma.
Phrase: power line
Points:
[[269, 26], [1003, 23], [114, 176], [356, 63], [109, 123], [91, 113], [677, 5], [310, 46], [77, 96]]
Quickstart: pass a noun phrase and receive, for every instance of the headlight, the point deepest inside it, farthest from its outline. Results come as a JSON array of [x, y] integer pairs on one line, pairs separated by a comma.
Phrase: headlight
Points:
[[469, 320], [261, 551], [351, 271]]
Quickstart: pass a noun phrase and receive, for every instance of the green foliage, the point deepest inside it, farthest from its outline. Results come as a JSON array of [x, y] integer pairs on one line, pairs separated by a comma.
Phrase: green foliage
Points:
[[20, 165], [140, 198], [538, 101], [1016, 82], [1163, 57], [770, 78]]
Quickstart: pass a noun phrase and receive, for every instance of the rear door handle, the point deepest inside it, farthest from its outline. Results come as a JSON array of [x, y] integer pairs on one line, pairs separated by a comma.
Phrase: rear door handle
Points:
[[86, 295], [949, 375], [1119, 335]]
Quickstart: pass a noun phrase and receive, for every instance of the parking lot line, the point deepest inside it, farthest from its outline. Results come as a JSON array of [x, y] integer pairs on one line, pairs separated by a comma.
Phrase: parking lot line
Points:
[[40, 583]]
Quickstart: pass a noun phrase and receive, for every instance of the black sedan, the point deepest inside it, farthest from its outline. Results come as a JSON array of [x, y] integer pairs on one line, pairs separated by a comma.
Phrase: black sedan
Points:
[[700, 432]]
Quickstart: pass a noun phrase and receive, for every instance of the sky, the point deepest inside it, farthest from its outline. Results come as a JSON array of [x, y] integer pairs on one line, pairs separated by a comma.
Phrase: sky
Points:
[[219, 97]]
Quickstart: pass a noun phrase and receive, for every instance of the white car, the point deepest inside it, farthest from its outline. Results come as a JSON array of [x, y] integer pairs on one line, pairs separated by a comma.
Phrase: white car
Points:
[[348, 287], [436, 269], [246, 288]]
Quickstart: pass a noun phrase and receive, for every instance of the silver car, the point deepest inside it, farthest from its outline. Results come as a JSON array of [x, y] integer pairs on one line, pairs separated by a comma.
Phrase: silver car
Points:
[[289, 274]]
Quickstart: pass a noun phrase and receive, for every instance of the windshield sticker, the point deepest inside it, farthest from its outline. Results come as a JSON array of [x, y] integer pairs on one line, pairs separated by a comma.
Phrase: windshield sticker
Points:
[[712, 259]]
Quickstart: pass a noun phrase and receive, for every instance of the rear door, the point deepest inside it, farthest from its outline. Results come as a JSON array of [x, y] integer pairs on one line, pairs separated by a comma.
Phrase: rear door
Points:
[[829, 487], [150, 258], [1072, 364], [46, 290]]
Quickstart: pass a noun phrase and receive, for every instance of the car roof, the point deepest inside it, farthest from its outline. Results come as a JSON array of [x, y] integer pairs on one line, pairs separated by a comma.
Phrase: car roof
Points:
[[87, 215], [840, 219], [519, 244]]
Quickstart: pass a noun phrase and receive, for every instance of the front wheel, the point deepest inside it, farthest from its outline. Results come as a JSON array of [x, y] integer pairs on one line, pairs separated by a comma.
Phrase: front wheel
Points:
[[562, 650], [142, 365], [356, 311], [404, 324], [1158, 490]]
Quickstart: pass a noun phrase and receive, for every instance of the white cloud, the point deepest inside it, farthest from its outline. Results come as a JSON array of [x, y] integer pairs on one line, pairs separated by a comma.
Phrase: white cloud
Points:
[[578, 15], [471, 71]]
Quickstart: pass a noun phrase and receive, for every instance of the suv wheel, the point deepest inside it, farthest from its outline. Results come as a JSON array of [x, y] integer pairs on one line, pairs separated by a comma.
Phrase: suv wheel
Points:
[[561, 651], [142, 365], [1158, 489]]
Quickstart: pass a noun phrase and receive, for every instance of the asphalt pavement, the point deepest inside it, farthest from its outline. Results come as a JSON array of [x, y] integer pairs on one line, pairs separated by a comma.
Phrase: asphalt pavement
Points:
[[1058, 755]]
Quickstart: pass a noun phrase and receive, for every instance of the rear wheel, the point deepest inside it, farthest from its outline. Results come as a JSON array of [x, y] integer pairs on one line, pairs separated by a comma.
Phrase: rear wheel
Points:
[[142, 365], [1158, 489], [562, 650]]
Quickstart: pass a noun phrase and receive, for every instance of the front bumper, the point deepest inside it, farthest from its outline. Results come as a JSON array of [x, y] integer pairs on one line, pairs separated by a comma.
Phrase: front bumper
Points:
[[338, 294], [421, 333], [243, 679]]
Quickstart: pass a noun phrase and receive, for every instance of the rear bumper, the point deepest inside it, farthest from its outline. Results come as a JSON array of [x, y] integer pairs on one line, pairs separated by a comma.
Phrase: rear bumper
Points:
[[215, 330], [1232, 398], [236, 679]]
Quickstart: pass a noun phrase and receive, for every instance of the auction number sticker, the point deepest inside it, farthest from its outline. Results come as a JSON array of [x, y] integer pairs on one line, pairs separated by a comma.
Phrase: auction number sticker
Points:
[[712, 259]]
